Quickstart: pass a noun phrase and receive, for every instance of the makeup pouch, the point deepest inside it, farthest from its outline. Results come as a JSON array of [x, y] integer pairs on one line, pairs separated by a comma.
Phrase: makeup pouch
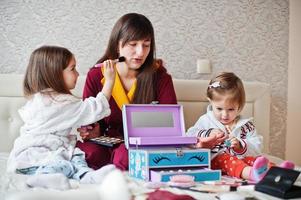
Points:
[[279, 182]]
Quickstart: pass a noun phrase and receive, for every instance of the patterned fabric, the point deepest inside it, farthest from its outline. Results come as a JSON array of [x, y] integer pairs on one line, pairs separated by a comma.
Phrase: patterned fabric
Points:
[[244, 131], [75, 168], [231, 165]]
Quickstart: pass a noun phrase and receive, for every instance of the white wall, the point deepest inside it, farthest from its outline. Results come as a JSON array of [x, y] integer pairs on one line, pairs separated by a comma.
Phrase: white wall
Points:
[[247, 37], [293, 137]]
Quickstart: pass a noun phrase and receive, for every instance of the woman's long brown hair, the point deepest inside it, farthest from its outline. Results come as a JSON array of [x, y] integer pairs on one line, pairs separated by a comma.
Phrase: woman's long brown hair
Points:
[[129, 27]]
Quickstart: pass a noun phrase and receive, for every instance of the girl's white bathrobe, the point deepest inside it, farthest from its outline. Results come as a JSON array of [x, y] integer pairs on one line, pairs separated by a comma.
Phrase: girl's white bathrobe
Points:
[[49, 130], [244, 131]]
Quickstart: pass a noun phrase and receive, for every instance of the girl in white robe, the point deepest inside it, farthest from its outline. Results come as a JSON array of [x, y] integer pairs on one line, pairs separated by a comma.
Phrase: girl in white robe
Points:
[[46, 145]]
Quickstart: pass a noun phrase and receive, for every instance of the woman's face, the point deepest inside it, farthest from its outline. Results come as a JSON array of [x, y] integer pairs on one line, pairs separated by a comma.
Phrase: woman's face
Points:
[[135, 52]]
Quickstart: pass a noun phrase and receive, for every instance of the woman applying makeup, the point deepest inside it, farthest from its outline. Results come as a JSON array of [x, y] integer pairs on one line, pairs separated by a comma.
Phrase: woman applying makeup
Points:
[[140, 79]]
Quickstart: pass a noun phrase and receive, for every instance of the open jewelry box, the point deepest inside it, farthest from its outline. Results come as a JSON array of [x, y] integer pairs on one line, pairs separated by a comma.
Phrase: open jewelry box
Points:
[[158, 147]]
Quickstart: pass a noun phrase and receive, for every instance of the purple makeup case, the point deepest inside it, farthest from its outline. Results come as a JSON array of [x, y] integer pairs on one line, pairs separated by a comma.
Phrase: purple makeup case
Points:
[[158, 147]]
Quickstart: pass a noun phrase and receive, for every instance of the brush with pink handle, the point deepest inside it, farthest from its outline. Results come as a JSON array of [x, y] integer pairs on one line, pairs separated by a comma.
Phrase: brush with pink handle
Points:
[[120, 59]]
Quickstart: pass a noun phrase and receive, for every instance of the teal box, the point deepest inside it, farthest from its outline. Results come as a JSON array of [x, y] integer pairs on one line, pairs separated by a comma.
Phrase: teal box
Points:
[[158, 164]]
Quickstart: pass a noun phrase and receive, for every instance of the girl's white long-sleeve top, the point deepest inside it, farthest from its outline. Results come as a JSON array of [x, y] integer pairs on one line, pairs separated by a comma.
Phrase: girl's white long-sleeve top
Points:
[[244, 131], [49, 130]]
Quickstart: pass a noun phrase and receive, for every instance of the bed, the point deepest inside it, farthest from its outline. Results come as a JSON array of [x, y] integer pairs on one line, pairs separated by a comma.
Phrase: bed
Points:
[[190, 93]]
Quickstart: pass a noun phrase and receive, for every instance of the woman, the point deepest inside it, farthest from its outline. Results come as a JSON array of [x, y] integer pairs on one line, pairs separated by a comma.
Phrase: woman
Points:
[[141, 79]]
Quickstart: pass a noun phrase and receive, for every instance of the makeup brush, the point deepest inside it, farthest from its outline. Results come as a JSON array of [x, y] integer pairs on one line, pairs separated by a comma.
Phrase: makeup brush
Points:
[[120, 59], [229, 131]]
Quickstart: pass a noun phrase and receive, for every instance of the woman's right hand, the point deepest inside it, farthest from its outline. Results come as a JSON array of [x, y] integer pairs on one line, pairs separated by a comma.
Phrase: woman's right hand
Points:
[[89, 131]]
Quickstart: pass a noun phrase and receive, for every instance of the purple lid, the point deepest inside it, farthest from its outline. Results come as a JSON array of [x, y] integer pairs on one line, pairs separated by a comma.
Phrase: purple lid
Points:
[[148, 124]]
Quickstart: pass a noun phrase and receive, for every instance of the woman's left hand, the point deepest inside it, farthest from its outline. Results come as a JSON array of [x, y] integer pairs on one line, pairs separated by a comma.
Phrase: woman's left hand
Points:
[[89, 131]]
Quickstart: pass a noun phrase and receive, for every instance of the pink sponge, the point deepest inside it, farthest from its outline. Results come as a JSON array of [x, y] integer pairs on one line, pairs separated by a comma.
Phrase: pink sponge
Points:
[[182, 181]]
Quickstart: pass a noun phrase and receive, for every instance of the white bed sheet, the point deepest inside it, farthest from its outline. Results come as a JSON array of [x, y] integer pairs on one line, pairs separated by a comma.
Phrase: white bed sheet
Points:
[[12, 184]]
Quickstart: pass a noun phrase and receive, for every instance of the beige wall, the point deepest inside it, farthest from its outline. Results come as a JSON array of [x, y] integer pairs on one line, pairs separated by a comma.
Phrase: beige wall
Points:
[[293, 136], [247, 37]]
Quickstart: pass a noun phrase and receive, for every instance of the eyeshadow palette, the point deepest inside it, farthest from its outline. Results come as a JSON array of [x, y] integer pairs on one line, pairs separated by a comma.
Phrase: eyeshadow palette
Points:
[[107, 141]]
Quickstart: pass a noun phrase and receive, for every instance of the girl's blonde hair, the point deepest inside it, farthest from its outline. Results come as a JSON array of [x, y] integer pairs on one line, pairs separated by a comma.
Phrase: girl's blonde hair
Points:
[[45, 70], [227, 84]]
